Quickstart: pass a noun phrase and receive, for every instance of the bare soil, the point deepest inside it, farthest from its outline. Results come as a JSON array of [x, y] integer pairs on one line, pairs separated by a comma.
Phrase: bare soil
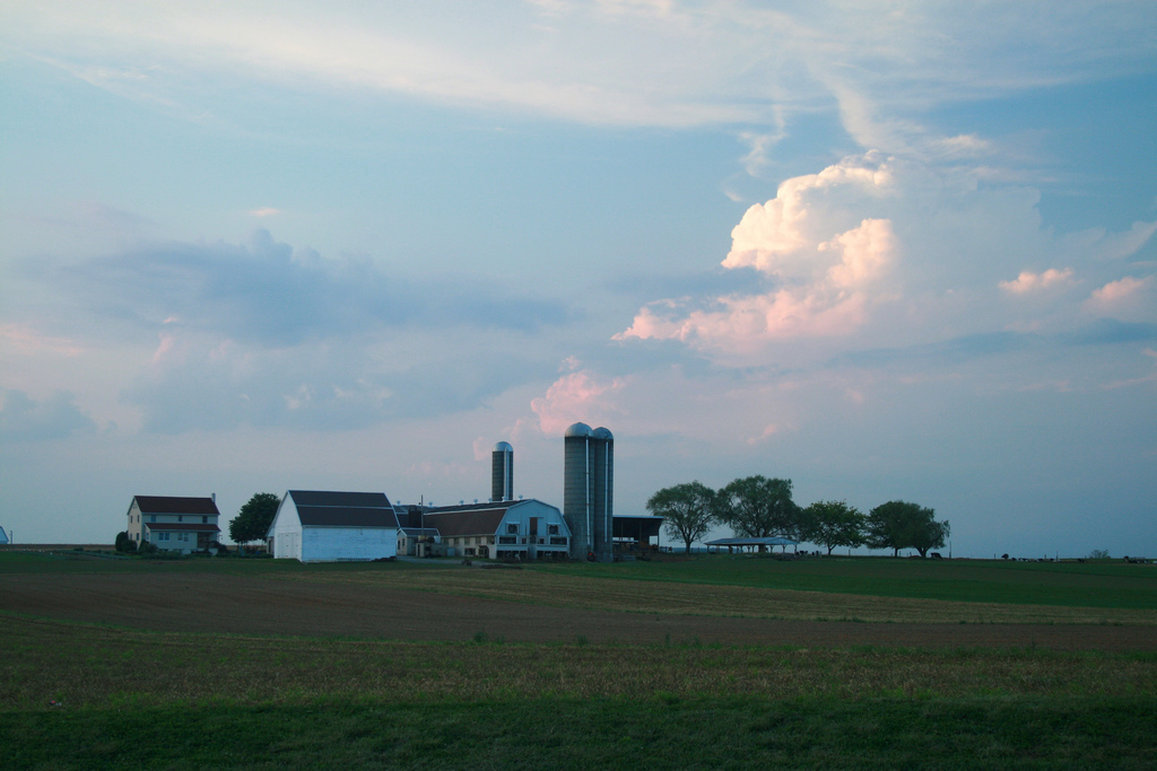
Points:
[[225, 604]]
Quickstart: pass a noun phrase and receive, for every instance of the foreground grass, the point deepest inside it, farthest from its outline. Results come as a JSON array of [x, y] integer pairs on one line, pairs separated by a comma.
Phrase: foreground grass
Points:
[[602, 732], [81, 696]]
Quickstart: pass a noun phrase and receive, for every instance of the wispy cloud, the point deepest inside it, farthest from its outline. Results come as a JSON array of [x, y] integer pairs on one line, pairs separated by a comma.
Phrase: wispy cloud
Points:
[[266, 291]]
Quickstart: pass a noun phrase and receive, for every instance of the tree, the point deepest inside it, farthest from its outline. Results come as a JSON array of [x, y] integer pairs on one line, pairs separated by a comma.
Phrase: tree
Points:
[[834, 523], [688, 510], [124, 543], [254, 519], [758, 507], [899, 525]]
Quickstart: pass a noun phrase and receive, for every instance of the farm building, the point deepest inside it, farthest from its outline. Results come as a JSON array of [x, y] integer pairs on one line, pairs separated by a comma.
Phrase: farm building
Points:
[[524, 530], [173, 523], [322, 526]]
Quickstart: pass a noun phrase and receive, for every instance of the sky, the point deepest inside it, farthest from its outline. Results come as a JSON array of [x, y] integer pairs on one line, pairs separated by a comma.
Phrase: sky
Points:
[[886, 250]]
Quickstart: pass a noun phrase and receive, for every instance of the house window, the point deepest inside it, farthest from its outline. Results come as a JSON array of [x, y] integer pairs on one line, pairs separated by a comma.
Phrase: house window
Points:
[[152, 517], [184, 536], [512, 528], [204, 520], [163, 537], [554, 529]]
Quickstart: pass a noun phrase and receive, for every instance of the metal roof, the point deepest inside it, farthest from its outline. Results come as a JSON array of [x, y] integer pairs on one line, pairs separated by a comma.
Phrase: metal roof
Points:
[[768, 541]]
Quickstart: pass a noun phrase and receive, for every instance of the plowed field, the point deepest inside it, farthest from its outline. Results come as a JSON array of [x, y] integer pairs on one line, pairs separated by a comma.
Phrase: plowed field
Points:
[[221, 603]]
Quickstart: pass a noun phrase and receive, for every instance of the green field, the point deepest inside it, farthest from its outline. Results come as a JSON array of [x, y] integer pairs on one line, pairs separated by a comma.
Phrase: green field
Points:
[[90, 695]]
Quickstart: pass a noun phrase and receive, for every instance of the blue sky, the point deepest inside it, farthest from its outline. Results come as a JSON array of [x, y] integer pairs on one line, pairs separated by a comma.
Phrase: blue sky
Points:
[[886, 250]]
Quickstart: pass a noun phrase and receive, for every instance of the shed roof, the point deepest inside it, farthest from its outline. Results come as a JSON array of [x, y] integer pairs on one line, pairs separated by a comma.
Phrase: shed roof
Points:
[[167, 504], [768, 541]]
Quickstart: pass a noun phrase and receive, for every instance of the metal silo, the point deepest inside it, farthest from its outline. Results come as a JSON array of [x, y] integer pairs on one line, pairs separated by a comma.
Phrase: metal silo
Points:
[[577, 495], [602, 451], [502, 472]]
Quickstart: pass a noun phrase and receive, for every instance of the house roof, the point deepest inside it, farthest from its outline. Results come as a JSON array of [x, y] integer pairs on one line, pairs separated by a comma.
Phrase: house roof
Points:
[[167, 504], [318, 508], [200, 528]]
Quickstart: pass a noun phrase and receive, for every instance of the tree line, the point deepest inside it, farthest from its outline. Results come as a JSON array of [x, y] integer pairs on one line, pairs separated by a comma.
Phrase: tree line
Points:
[[758, 507]]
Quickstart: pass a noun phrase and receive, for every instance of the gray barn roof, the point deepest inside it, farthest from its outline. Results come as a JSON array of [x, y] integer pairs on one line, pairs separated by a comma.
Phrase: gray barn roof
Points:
[[319, 508]]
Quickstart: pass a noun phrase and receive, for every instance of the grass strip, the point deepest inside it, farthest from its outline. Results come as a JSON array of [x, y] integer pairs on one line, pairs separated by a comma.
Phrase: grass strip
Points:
[[655, 732]]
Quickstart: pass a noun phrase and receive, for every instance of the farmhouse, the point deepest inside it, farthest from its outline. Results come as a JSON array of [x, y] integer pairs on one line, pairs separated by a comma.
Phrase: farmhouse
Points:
[[322, 526], [173, 523], [523, 530]]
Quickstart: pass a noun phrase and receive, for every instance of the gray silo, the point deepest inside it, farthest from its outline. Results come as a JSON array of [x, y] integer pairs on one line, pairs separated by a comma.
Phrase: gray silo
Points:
[[602, 448], [502, 472], [588, 490]]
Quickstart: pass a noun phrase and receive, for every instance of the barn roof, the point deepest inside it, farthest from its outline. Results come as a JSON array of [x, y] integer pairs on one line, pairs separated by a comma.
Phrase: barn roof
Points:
[[167, 504], [479, 519], [319, 508]]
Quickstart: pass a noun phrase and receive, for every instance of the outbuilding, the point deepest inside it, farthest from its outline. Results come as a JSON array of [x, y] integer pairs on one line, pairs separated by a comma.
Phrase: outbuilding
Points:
[[326, 526]]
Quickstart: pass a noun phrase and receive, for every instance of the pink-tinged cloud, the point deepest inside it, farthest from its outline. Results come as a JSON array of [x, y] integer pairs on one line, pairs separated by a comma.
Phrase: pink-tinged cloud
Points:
[[20, 339], [1128, 299], [264, 211], [574, 397], [1028, 281]]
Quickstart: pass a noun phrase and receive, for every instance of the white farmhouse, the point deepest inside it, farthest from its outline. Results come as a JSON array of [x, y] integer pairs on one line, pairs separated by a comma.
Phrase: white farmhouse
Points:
[[173, 523], [321, 526]]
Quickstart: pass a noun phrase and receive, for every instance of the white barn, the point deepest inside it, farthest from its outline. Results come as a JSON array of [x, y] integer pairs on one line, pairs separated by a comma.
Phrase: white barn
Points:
[[321, 526]]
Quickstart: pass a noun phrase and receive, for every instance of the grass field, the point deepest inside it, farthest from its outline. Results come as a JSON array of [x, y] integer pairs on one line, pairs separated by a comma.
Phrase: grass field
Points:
[[79, 691]]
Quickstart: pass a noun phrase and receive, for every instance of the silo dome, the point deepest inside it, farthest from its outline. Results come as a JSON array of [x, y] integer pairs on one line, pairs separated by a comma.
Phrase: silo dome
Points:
[[602, 432], [579, 430], [503, 447]]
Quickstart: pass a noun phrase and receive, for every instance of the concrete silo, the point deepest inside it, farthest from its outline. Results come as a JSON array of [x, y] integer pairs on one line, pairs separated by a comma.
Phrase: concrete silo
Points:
[[502, 472], [588, 490]]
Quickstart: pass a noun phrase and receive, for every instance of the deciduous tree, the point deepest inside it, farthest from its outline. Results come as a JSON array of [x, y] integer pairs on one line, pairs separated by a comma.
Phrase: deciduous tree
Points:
[[899, 525], [688, 510], [254, 519], [834, 523], [758, 507]]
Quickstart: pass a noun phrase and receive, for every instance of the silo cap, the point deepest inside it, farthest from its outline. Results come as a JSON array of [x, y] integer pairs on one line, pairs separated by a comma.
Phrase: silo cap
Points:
[[602, 432], [503, 447], [578, 429]]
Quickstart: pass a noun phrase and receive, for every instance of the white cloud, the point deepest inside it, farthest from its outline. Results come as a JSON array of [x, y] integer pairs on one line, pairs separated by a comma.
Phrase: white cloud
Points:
[[1127, 299], [878, 251], [1028, 281]]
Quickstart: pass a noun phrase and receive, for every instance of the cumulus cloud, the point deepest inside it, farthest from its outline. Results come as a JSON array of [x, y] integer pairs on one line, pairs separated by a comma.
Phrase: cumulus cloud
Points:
[[1028, 281], [1126, 299], [877, 249], [580, 395]]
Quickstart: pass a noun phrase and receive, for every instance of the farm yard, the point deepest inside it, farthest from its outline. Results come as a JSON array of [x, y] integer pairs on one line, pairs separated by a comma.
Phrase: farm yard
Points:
[[711, 662]]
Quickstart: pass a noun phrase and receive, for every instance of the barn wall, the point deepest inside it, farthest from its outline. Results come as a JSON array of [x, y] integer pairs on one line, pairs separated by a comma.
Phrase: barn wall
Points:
[[328, 544], [286, 530]]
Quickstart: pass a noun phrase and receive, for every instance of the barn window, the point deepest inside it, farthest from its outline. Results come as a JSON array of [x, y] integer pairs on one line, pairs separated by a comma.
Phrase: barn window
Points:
[[512, 528], [554, 529]]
